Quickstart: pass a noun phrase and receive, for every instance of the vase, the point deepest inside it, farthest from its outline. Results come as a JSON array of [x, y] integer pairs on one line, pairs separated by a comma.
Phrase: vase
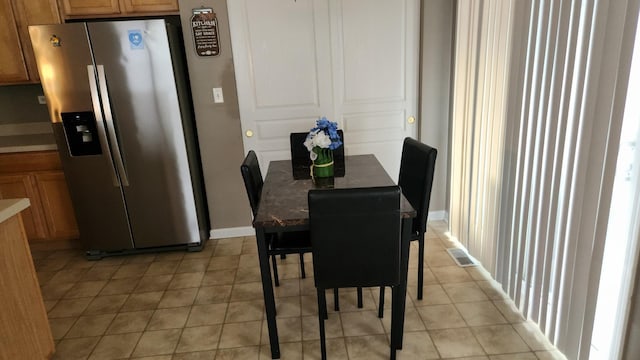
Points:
[[322, 168]]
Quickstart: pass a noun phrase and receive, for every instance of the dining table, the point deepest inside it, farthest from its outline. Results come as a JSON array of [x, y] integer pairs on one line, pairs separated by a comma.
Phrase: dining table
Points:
[[284, 207]]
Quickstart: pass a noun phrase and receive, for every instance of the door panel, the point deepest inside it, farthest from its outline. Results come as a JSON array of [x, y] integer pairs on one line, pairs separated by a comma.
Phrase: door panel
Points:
[[300, 87], [376, 75], [283, 69], [143, 102], [63, 69], [373, 48], [58, 211], [90, 7], [12, 65], [353, 61], [94, 190], [150, 6]]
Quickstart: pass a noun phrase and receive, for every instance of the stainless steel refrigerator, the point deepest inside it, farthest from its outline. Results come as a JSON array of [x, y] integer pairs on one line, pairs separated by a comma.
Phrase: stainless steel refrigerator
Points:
[[122, 117]]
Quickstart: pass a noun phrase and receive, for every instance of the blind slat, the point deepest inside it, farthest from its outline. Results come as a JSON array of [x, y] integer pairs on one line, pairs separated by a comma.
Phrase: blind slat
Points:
[[526, 185]]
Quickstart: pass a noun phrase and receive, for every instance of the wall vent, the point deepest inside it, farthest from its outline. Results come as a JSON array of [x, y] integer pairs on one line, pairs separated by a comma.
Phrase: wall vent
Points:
[[461, 257]]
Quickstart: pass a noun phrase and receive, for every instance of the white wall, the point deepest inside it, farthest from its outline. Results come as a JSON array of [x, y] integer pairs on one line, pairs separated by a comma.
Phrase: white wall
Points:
[[219, 129], [218, 125], [436, 60]]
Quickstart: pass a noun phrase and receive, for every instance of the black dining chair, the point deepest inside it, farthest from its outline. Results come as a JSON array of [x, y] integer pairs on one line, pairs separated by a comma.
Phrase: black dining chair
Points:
[[297, 242], [417, 167], [356, 239], [300, 161]]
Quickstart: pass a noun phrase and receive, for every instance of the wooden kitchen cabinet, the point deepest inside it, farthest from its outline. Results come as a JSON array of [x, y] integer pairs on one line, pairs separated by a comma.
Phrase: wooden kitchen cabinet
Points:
[[113, 8], [90, 7], [17, 62], [56, 205], [23, 186], [39, 177], [25, 331], [13, 68], [133, 6]]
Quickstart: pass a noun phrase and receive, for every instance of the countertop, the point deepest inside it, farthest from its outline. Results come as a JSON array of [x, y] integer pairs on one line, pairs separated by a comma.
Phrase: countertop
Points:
[[26, 137], [10, 207]]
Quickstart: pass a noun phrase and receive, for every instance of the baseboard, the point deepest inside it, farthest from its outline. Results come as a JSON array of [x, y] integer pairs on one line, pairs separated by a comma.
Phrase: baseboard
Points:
[[48, 245], [231, 232]]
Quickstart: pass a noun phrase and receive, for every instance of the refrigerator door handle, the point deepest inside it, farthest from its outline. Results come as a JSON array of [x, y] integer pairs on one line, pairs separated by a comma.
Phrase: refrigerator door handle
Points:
[[106, 106], [102, 133]]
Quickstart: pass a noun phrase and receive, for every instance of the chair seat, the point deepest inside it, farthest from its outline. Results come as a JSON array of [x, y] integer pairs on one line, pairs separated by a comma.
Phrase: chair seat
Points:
[[290, 242]]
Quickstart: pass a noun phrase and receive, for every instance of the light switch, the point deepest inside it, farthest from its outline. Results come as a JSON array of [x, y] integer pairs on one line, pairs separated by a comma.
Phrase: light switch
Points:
[[217, 95]]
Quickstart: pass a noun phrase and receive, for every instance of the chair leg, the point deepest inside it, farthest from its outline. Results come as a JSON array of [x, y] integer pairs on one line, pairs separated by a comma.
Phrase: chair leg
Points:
[[336, 300], [322, 304], [359, 298], [420, 264], [325, 313], [381, 303], [304, 275], [323, 310], [275, 270], [394, 322]]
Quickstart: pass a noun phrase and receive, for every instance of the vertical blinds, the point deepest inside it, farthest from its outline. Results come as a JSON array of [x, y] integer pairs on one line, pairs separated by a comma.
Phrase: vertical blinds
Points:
[[537, 110]]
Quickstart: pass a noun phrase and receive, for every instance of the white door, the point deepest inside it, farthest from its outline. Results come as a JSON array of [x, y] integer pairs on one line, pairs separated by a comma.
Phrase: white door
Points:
[[353, 61]]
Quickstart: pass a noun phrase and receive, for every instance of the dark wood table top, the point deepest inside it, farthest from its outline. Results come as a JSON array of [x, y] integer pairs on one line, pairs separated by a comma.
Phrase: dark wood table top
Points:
[[284, 199]]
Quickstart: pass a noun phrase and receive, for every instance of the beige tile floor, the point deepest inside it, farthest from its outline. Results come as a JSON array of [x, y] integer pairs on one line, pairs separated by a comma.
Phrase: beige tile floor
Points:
[[208, 305]]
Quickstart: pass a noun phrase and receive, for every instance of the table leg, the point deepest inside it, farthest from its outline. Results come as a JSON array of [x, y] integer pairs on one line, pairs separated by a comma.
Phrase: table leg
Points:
[[267, 290], [397, 318]]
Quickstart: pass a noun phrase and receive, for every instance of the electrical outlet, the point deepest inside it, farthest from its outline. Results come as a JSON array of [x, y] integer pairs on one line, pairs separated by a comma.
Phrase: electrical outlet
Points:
[[217, 95], [42, 100]]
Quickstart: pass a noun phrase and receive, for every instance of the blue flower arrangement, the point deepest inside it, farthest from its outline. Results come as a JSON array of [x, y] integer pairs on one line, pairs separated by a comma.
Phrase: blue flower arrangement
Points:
[[323, 136], [321, 141]]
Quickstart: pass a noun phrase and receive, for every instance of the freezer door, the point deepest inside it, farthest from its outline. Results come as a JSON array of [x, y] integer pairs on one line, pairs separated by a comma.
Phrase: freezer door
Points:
[[145, 115], [67, 74]]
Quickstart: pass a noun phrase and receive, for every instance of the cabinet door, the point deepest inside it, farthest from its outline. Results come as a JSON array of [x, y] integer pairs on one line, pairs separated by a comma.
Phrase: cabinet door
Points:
[[56, 205], [12, 65], [91, 7], [150, 5], [33, 12], [25, 331], [23, 186]]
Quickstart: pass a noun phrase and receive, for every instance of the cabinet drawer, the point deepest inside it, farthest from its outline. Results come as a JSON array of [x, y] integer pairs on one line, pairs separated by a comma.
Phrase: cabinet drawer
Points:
[[12, 163]]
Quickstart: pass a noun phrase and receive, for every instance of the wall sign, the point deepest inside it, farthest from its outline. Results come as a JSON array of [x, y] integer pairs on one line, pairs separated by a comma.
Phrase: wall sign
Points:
[[205, 32]]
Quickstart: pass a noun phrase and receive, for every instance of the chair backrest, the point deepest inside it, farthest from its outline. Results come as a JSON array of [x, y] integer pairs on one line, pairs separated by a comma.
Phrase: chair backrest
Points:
[[416, 178], [300, 155], [355, 236], [253, 181]]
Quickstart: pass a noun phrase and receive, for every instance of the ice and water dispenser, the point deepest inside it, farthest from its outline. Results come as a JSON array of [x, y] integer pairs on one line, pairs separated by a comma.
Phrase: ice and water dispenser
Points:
[[82, 134]]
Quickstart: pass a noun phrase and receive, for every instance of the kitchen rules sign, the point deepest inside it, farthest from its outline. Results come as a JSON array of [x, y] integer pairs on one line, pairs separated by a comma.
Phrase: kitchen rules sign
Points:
[[205, 32]]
